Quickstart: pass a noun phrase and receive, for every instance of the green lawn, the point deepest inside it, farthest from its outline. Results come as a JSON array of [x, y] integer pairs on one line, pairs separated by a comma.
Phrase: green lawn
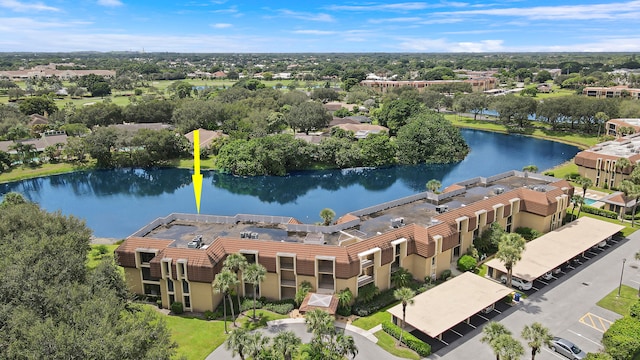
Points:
[[262, 315], [21, 173], [368, 322], [388, 343], [94, 257], [196, 338], [620, 305]]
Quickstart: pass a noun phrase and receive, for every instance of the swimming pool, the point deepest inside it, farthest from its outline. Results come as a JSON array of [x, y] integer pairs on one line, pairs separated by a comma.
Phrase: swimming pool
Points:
[[589, 202]]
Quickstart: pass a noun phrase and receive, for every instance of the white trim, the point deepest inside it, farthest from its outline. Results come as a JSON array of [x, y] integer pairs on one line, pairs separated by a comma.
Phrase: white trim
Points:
[[369, 252]]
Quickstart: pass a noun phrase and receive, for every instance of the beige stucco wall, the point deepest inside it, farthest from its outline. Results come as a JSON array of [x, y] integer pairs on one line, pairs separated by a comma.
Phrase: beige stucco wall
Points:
[[310, 279], [383, 276], [351, 284], [270, 287], [534, 221], [134, 280], [202, 296]]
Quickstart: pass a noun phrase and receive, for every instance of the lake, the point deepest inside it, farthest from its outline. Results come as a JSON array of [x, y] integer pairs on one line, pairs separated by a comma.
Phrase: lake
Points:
[[116, 203]]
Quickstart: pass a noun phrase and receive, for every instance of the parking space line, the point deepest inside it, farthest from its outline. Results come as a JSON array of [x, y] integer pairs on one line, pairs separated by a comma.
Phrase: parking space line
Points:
[[534, 288], [483, 317], [473, 326], [455, 332], [637, 282], [554, 353], [584, 337], [592, 253], [544, 283]]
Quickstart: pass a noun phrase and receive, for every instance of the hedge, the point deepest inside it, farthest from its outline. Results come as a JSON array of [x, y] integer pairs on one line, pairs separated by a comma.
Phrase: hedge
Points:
[[423, 349], [600, 212], [381, 300], [282, 309], [467, 263]]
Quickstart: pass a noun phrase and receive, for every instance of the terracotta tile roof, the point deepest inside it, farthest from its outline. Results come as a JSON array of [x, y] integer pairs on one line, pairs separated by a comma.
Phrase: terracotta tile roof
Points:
[[346, 218], [452, 187], [126, 252]]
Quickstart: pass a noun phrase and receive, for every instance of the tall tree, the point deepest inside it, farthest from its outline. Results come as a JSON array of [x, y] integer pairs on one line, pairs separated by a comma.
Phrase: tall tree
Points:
[[308, 116], [537, 336], [628, 190], [287, 344], [433, 185], [222, 284], [621, 165], [38, 105], [254, 344], [405, 295], [530, 168], [236, 342], [236, 263], [491, 332], [510, 251], [327, 216], [508, 348], [254, 274], [585, 183], [401, 278]]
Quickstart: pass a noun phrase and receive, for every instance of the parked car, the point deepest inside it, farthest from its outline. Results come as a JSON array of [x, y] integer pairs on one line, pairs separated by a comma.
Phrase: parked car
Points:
[[547, 276], [517, 283], [567, 348]]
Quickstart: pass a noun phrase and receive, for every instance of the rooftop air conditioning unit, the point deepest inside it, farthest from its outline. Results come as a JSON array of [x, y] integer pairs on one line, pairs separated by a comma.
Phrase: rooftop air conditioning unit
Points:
[[254, 235], [499, 190], [397, 222], [442, 209]]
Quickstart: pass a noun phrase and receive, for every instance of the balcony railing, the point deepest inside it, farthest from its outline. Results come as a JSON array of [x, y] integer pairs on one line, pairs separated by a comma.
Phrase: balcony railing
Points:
[[288, 283], [325, 268], [365, 263], [364, 280]]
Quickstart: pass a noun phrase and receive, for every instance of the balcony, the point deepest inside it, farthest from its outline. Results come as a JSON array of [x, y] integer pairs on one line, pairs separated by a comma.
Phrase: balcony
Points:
[[325, 267], [326, 286], [287, 283], [365, 263], [364, 280]]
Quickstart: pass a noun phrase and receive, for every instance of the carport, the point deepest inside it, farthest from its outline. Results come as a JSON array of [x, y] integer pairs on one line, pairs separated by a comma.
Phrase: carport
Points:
[[443, 307], [557, 247]]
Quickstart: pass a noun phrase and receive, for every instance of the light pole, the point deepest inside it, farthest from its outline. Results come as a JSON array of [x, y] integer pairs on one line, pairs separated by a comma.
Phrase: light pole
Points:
[[621, 273]]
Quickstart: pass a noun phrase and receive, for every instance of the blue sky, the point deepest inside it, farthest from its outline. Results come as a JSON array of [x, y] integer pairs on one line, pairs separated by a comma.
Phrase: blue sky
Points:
[[319, 26]]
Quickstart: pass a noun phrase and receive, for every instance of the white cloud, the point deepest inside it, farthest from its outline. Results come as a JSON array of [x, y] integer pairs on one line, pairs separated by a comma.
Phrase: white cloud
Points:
[[32, 25], [397, 7], [110, 3], [610, 11], [314, 32], [18, 6], [396, 20], [443, 45], [230, 10], [306, 16], [221, 25]]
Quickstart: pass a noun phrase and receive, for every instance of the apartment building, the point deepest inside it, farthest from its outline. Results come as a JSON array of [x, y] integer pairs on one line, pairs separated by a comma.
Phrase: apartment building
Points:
[[622, 127], [611, 92], [598, 163], [383, 86], [177, 257]]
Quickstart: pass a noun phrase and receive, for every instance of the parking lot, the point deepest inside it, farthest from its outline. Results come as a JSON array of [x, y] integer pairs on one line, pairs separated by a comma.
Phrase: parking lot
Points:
[[565, 304]]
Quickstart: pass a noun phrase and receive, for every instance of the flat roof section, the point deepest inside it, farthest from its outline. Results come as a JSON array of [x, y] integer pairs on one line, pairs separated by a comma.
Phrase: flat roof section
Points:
[[446, 305], [559, 246]]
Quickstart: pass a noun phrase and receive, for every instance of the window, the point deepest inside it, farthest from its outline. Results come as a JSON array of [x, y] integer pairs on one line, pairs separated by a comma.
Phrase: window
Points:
[[146, 274], [170, 285], [145, 257], [509, 221], [182, 269], [251, 258], [187, 301], [185, 287], [152, 289], [172, 299], [166, 268]]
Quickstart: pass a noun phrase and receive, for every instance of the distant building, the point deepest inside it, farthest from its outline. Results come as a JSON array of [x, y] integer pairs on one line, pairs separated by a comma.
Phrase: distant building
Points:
[[383, 86], [598, 163], [621, 127], [611, 92], [49, 71], [206, 137]]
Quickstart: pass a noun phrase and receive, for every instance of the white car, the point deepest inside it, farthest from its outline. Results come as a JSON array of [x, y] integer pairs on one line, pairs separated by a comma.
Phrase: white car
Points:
[[517, 283]]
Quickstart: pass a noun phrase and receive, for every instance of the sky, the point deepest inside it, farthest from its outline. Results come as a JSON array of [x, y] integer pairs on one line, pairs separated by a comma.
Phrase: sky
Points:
[[277, 26]]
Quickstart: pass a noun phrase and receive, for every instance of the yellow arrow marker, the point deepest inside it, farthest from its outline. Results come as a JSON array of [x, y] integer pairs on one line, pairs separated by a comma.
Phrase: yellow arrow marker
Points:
[[196, 177]]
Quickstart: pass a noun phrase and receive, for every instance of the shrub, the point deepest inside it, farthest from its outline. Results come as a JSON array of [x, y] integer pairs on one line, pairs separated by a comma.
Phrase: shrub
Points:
[[177, 308], [445, 274], [159, 303], [282, 309], [634, 311], [423, 349], [344, 311], [549, 173], [210, 315], [302, 292], [378, 302], [367, 293], [247, 304], [508, 299], [528, 233], [621, 340], [600, 212], [466, 263]]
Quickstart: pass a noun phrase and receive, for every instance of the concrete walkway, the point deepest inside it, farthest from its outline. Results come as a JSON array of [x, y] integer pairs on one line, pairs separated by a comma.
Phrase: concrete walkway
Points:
[[364, 339]]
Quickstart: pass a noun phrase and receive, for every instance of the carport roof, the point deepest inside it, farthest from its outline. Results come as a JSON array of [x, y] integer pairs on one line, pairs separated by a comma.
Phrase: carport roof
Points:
[[443, 307], [559, 246]]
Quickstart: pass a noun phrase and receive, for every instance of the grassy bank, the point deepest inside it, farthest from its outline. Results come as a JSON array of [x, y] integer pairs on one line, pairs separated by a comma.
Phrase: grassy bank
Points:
[[26, 172]]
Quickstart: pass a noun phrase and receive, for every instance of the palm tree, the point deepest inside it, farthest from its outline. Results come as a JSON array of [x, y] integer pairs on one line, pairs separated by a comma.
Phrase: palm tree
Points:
[[254, 274], [585, 183], [433, 185], [627, 188], [344, 297], [536, 335], [530, 168], [287, 344], [508, 348], [345, 346], [576, 200], [401, 278], [635, 194], [222, 283], [319, 322], [510, 251], [236, 263], [621, 164], [327, 216], [236, 342], [490, 334], [255, 342], [405, 295], [302, 292]]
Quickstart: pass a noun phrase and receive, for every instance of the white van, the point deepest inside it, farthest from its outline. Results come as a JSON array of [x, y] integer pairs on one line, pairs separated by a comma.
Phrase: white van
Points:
[[517, 283]]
